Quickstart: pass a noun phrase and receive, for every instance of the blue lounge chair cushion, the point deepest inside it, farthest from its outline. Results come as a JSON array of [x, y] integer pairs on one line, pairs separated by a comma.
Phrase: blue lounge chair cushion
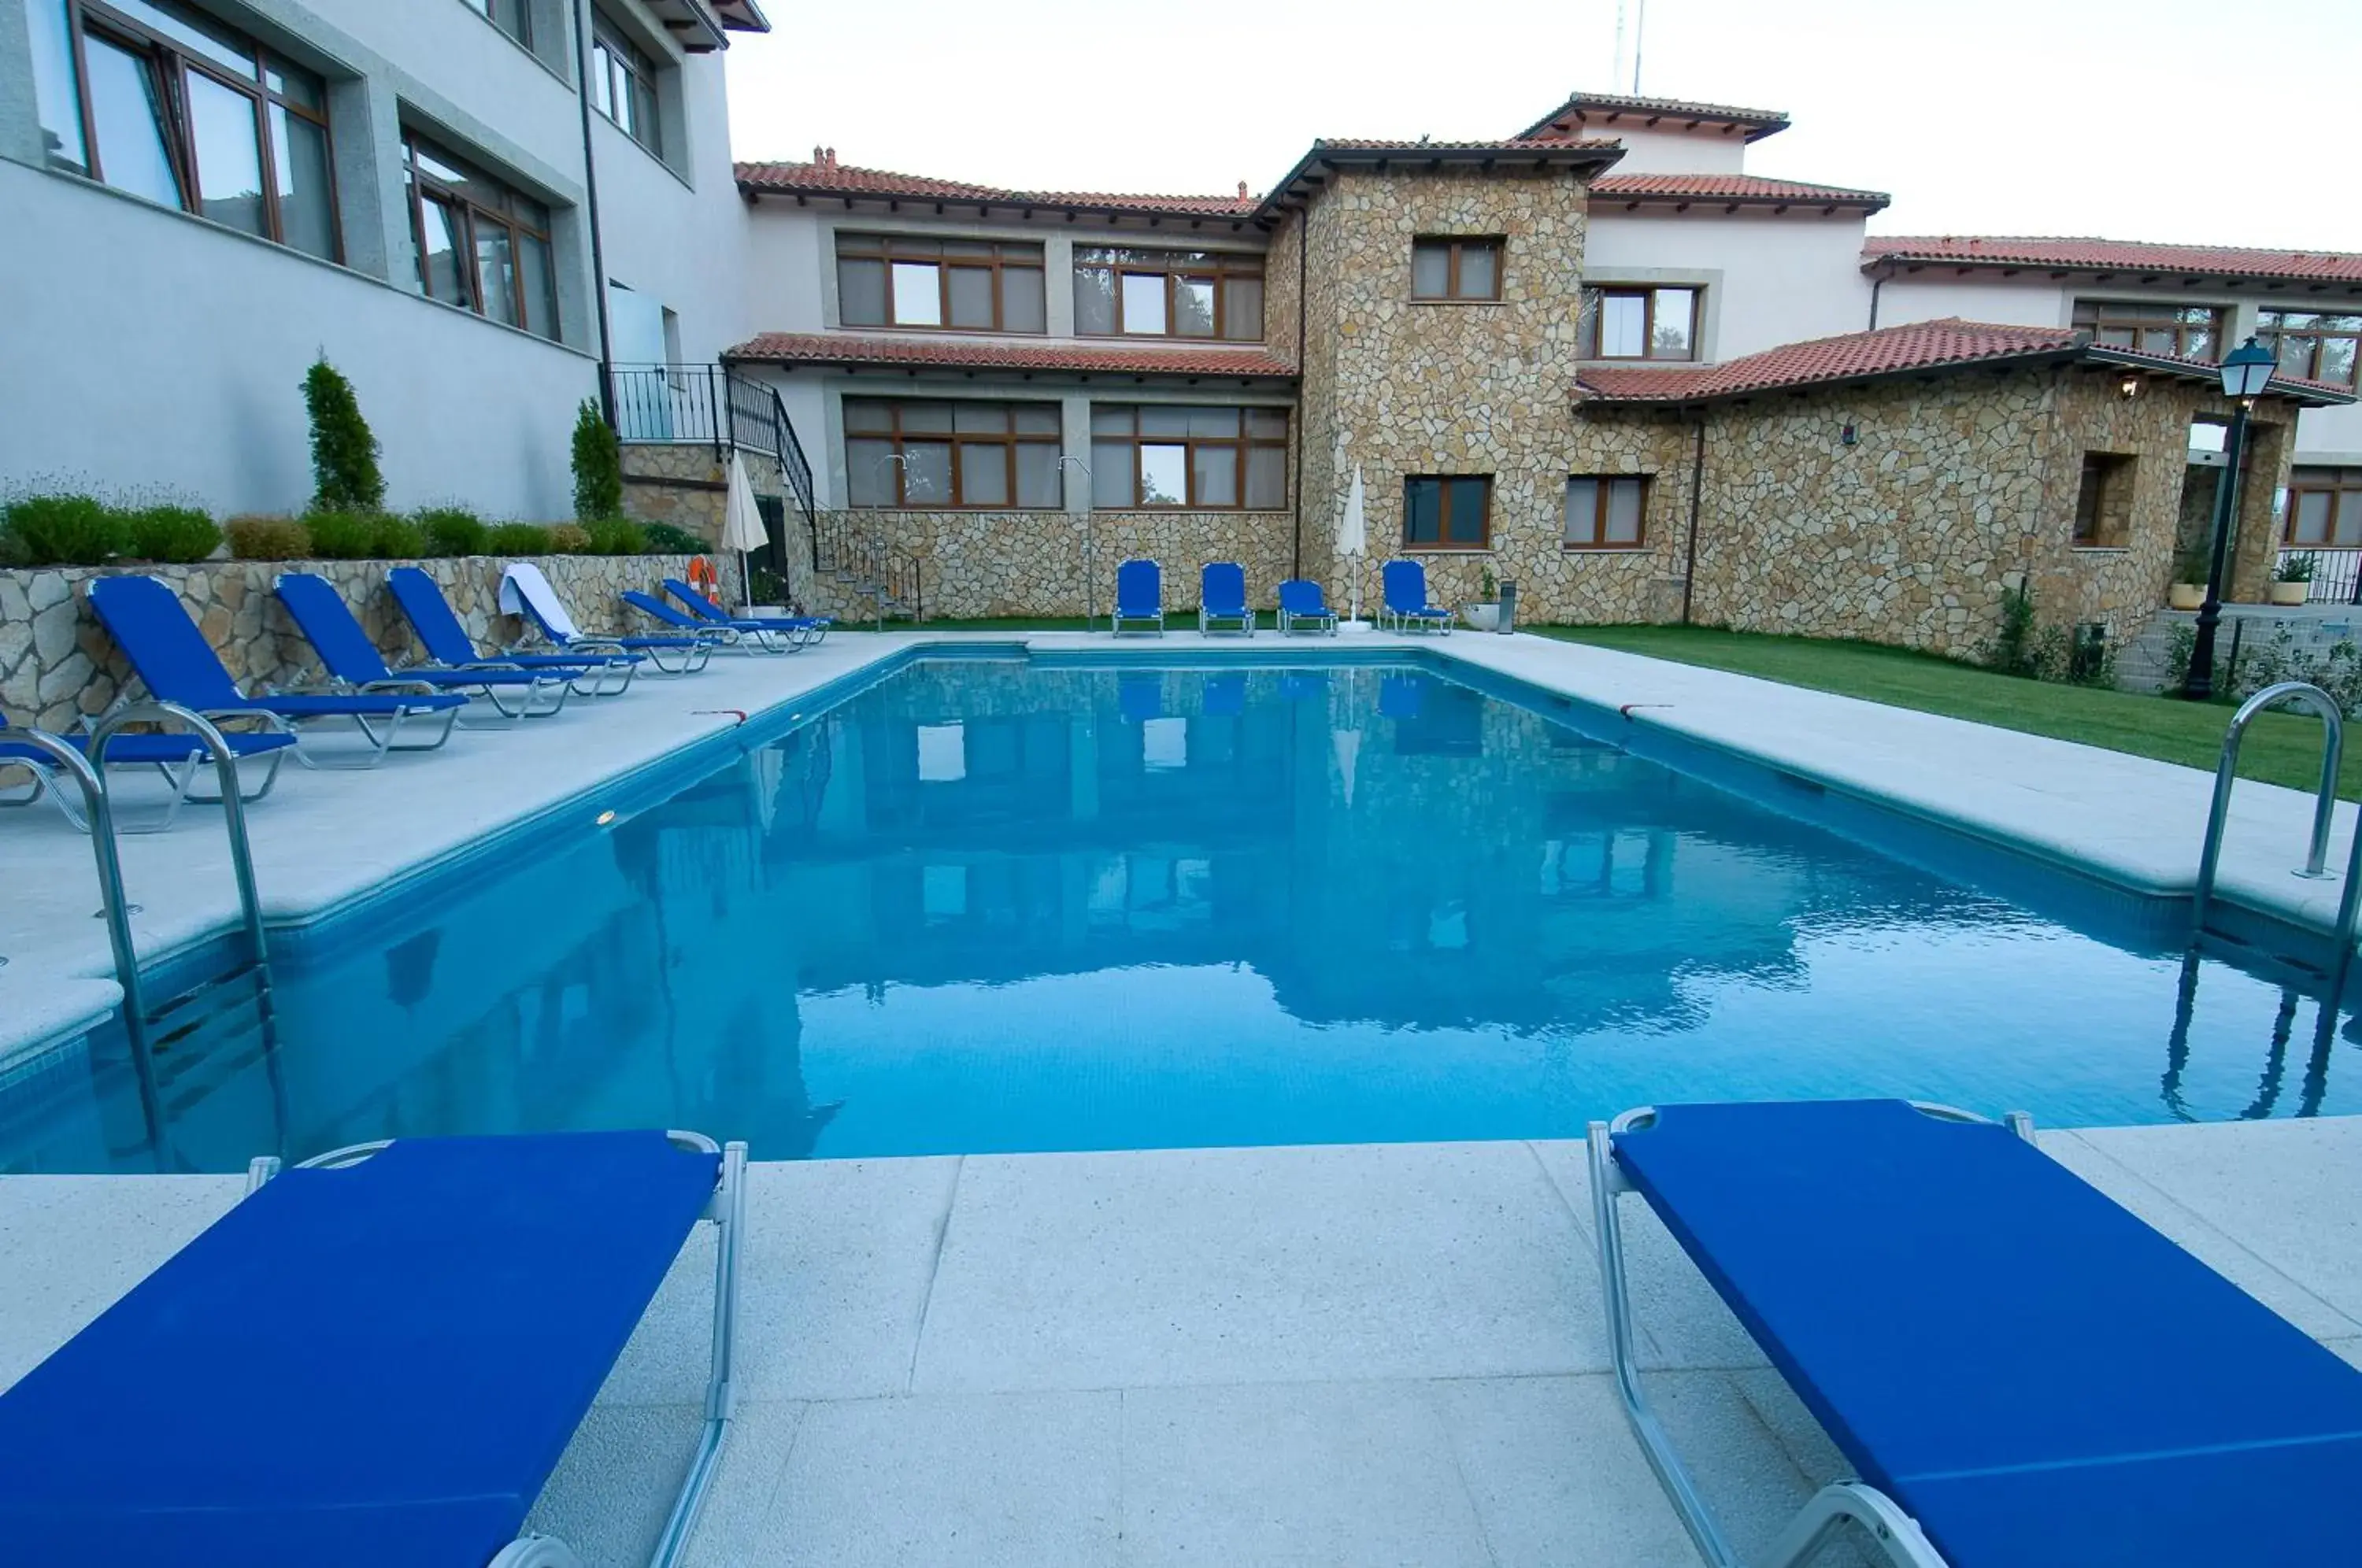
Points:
[[1222, 590], [1299, 596], [649, 604], [2034, 1373], [447, 641], [374, 1365], [707, 609], [346, 651], [1139, 590], [137, 750]]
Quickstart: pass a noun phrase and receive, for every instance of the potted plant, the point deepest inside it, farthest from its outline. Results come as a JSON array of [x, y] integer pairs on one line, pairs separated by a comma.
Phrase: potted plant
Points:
[[2188, 591], [2293, 580], [1485, 615]]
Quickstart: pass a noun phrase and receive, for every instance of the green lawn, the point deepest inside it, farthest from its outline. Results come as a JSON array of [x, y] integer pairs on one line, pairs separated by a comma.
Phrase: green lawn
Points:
[[2283, 748]]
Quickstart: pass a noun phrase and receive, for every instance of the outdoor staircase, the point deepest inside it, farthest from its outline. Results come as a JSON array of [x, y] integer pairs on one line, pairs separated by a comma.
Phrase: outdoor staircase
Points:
[[884, 583]]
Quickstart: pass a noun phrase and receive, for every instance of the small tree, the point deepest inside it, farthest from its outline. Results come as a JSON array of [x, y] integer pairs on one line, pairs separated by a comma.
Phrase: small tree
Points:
[[598, 466], [345, 474]]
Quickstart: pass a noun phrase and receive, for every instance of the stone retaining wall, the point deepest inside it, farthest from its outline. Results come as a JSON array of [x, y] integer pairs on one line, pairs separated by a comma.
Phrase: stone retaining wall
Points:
[[57, 663]]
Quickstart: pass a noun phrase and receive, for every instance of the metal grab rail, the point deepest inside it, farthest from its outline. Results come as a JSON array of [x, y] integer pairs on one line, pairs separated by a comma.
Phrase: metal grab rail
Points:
[[225, 761], [2324, 803]]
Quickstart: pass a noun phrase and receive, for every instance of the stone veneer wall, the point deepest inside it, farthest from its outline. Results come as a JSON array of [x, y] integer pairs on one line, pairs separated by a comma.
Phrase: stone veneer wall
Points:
[[981, 564], [685, 485], [57, 663]]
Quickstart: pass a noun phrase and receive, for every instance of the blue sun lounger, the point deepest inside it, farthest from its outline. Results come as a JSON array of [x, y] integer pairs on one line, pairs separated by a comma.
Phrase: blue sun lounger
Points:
[[177, 758], [1139, 596], [1403, 585], [2021, 1374], [524, 591], [374, 1360], [1223, 597], [1303, 607], [353, 661], [800, 631], [177, 664], [436, 626]]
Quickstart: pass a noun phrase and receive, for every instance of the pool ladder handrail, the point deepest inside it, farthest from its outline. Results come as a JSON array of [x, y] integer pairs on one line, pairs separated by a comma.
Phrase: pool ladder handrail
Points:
[[88, 769], [2332, 725]]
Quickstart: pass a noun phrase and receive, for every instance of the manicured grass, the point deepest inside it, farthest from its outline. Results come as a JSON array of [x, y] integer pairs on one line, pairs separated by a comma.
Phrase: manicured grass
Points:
[[978, 624], [2282, 748]]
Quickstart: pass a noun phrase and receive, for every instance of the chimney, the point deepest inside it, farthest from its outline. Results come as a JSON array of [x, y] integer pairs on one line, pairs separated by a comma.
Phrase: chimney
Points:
[[818, 161], [1242, 190]]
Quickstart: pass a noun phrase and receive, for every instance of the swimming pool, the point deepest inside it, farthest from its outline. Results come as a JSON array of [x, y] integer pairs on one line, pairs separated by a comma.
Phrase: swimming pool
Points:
[[1004, 904]]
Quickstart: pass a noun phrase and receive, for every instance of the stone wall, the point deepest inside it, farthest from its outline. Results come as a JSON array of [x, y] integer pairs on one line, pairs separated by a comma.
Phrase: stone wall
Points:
[[57, 663], [685, 485]]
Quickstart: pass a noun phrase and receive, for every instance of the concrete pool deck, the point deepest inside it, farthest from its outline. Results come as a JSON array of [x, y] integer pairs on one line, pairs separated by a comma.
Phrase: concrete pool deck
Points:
[[328, 838], [1359, 1354]]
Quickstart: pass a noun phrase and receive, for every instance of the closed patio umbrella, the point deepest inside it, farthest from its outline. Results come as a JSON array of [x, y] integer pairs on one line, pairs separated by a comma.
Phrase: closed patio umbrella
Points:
[[1353, 539], [741, 525]]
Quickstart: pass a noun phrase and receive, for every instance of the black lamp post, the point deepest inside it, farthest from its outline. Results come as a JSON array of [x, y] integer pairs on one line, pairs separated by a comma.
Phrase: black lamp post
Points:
[[2246, 370]]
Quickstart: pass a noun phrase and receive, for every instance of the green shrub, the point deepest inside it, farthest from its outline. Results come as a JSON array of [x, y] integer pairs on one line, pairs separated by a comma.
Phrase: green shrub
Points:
[[517, 539], [664, 539], [568, 539], [617, 537], [66, 530], [170, 533], [397, 539], [2012, 650], [452, 530], [13, 552], [345, 474], [598, 466], [269, 539], [343, 535]]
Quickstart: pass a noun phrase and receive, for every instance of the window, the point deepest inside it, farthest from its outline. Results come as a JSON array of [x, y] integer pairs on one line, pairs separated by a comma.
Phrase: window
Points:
[[2192, 332], [1640, 324], [2325, 508], [1167, 294], [975, 285], [934, 455], [480, 245], [1447, 513], [512, 16], [1153, 455], [1452, 269], [2103, 501], [173, 106], [2314, 345], [1605, 511], [623, 85]]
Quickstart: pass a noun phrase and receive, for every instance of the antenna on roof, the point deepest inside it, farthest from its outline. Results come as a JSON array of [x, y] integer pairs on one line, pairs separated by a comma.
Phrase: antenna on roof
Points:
[[1640, 31]]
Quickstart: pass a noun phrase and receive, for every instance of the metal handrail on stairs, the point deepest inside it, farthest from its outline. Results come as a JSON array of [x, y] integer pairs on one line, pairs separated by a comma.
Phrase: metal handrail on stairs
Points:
[[2324, 803]]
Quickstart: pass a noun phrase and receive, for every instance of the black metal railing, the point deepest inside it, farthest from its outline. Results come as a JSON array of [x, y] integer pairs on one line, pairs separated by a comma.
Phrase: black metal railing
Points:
[[846, 546], [2336, 574]]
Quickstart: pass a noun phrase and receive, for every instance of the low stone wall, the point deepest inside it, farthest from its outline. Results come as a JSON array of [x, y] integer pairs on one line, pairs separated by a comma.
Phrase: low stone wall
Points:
[[57, 663], [685, 485]]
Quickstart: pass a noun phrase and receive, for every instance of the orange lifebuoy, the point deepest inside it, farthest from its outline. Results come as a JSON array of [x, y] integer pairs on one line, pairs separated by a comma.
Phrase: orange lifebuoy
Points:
[[702, 576]]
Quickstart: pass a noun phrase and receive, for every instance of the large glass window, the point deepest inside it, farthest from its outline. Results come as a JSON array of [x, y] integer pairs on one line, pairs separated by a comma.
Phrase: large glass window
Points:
[[906, 453], [2319, 346], [1167, 294], [1447, 513], [513, 18], [480, 245], [2191, 331], [2325, 508], [1455, 267], [969, 285], [1172, 454], [172, 105], [1640, 324], [623, 85], [1605, 512]]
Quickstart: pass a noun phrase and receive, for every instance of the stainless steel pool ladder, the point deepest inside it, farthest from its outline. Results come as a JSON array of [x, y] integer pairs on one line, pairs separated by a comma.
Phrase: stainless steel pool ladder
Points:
[[88, 770], [2333, 745]]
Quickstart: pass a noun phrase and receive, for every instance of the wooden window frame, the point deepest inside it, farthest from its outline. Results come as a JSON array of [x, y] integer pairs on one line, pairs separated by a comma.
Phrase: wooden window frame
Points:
[[2099, 316], [171, 61], [2344, 485], [1009, 441], [421, 185], [1008, 255], [1596, 297], [1444, 542], [1455, 246], [2272, 335], [1239, 445], [1603, 484], [1175, 267], [626, 64]]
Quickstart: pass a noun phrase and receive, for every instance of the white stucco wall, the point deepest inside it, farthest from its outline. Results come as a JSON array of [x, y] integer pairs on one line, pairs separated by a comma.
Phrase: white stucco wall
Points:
[[1768, 280], [1704, 151], [677, 228], [2028, 301], [166, 352]]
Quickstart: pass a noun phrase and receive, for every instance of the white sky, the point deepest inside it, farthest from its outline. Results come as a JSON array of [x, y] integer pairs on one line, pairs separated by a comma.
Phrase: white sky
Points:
[[2111, 117]]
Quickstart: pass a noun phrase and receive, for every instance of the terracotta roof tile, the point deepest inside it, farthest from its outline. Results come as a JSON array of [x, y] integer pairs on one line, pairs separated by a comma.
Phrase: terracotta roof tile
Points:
[[826, 177], [1890, 350], [1016, 353], [1757, 122], [2116, 255], [1752, 189]]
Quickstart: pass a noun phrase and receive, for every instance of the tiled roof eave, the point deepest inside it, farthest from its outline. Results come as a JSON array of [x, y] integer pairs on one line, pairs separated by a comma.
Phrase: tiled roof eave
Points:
[[1704, 395]]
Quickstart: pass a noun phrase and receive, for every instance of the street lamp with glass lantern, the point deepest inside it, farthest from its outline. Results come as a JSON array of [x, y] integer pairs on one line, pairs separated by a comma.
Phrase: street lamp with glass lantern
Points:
[[2246, 370]]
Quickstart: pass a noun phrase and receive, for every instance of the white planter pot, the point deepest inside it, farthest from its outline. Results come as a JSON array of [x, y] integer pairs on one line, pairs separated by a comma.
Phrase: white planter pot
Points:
[[2290, 592], [1481, 617], [2185, 596]]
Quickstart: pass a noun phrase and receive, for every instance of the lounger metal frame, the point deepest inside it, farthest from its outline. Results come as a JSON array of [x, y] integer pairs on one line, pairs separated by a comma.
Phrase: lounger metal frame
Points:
[[726, 1209], [595, 668], [1890, 1531], [1322, 619], [1211, 620], [800, 632], [181, 776], [381, 742]]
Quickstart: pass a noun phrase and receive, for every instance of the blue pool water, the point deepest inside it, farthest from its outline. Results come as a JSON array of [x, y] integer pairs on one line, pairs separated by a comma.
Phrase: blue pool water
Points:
[[1001, 905]]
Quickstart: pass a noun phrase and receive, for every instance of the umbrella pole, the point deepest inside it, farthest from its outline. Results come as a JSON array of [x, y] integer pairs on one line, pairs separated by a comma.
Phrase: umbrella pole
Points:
[[745, 582]]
